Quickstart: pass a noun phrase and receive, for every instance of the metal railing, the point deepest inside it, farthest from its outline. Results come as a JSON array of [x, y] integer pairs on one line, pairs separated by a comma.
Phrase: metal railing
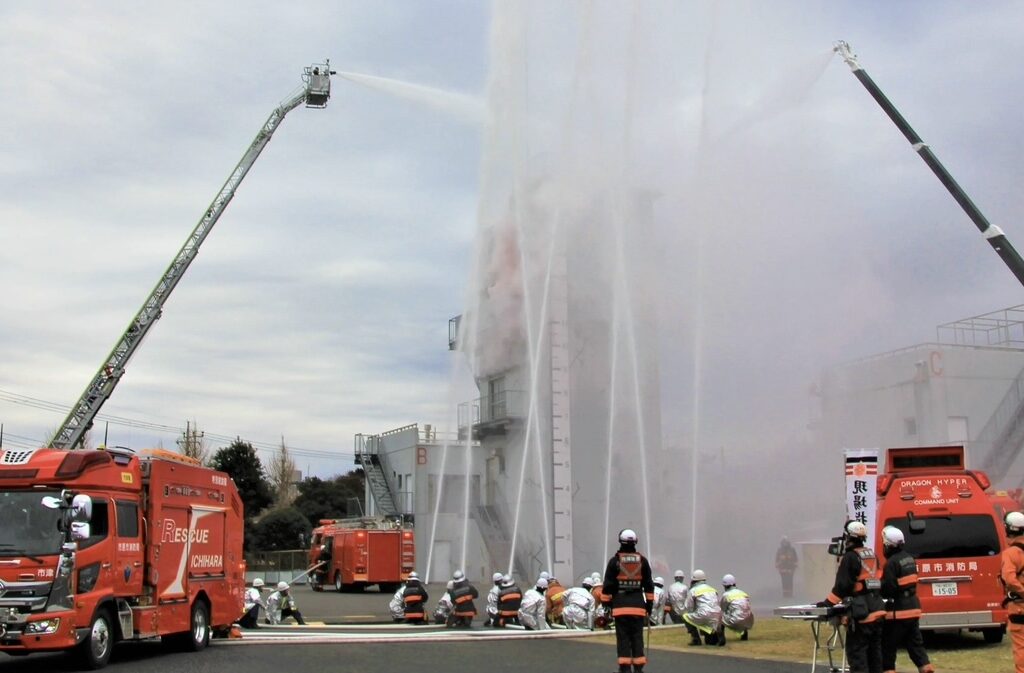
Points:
[[1004, 329], [278, 566]]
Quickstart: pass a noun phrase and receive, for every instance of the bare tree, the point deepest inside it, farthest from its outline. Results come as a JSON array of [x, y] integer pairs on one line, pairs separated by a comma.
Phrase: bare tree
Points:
[[282, 476], [192, 444]]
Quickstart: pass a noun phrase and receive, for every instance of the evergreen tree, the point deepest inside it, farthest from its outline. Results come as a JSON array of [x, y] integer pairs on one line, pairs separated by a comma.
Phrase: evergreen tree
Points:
[[243, 465]]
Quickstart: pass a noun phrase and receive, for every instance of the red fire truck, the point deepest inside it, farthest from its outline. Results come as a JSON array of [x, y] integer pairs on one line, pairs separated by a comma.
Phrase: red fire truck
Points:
[[356, 553], [954, 529], [98, 547]]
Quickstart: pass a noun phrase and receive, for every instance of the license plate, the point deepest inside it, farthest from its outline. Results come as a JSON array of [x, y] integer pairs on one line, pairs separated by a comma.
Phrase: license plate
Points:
[[944, 589]]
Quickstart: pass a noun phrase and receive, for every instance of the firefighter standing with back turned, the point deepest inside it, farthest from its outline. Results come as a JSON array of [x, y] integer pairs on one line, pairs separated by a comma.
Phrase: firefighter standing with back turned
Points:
[[1010, 574], [858, 581], [902, 627], [629, 591]]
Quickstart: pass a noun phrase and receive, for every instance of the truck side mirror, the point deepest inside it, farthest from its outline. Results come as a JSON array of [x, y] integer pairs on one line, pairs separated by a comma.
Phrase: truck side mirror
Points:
[[81, 508], [80, 531]]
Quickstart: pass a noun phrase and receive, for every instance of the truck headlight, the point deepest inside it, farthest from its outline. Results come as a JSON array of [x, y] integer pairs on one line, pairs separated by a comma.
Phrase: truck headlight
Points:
[[42, 626], [87, 577]]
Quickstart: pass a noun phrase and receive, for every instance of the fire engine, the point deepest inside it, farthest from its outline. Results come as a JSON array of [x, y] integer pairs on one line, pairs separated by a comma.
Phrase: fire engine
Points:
[[953, 527], [355, 553], [103, 546]]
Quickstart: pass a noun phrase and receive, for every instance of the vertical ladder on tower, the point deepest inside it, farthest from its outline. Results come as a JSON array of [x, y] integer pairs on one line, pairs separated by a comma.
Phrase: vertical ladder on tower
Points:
[[561, 444]]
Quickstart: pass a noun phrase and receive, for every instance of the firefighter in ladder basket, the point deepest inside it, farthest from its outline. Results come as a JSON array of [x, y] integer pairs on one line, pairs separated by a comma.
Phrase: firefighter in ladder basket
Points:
[[629, 591]]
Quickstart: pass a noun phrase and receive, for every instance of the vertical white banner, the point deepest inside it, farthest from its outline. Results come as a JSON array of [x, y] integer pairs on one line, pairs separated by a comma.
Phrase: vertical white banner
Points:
[[861, 479]]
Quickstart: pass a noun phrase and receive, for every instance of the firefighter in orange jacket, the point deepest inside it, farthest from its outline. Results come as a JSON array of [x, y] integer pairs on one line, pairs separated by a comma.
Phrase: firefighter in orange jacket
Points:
[[857, 584], [553, 601], [1010, 573], [629, 591], [903, 612]]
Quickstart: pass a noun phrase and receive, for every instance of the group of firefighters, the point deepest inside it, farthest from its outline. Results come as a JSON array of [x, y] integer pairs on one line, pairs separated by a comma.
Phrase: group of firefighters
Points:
[[882, 610], [277, 608], [626, 596]]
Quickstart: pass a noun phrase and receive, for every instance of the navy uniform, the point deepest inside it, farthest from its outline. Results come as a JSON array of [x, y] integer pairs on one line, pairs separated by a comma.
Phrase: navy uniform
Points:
[[510, 599], [414, 599], [858, 581], [629, 591], [463, 607], [902, 627]]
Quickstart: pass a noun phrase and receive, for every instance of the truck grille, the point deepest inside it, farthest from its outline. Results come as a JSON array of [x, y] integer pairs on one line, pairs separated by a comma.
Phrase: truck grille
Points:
[[16, 456]]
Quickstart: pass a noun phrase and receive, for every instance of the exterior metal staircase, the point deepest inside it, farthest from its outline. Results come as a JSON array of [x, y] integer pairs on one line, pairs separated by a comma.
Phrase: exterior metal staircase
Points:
[[376, 475], [1002, 438]]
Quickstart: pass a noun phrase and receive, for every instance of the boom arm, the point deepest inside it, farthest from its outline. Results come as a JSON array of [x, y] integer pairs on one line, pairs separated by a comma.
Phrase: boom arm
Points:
[[993, 234], [314, 92]]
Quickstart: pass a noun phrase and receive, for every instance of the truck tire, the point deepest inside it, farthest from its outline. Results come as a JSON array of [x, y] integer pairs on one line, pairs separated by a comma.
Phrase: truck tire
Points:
[[94, 652], [198, 636], [993, 636], [338, 586]]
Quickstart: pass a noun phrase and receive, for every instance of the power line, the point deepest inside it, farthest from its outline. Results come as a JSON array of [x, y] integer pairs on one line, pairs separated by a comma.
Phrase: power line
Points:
[[45, 405]]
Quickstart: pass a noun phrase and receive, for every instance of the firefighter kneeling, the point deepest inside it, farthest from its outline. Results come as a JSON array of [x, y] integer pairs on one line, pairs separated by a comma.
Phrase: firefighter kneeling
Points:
[[857, 584]]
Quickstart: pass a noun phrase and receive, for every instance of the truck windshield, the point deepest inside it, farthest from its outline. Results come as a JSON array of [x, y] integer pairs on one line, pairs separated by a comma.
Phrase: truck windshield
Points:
[[27, 528], [951, 537]]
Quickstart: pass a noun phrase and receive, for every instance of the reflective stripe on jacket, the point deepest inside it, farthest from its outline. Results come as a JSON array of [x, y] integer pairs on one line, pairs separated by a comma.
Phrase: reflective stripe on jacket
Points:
[[462, 599], [628, 585], [509, 601], [899, 585], [858, 578]]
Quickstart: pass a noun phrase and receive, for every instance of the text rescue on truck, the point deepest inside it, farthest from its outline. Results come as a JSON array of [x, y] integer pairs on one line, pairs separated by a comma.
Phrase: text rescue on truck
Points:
[[104, 546]]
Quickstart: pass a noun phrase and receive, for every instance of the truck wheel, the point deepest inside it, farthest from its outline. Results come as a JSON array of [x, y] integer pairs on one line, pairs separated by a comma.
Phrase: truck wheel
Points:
[[199, 631], [94, 651], [993, 636], [338, 586]]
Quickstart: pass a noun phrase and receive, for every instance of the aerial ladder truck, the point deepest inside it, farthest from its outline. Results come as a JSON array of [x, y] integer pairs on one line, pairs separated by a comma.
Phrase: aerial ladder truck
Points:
[[314, 92]]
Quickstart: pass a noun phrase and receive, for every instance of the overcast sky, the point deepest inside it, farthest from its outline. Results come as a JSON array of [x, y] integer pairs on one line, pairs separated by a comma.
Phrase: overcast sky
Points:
[[318, 306]]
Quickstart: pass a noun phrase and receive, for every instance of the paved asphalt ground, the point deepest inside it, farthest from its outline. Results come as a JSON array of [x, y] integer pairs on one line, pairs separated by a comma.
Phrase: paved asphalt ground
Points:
[[548, 656], [533, 656]]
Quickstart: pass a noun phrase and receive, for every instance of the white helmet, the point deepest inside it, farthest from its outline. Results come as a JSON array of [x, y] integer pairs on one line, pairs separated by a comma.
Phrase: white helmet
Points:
[[596, 577], [678, 575], [627, 536], [542, 583], [414, 575], [698, 576], [587, 582], [496, 577], [857, 529], [728, 580], [282, 586], [659, 581], [506, 581], [1014, 523], [258, 582], [892, 536], [544, 574], [458, 576]]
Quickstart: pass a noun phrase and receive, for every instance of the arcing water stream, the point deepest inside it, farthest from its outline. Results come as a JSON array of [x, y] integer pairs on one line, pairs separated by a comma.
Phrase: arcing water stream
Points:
[[591, 199]]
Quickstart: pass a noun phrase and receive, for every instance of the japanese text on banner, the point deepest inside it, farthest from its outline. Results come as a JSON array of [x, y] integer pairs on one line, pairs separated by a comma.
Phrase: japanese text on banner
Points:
[[861, 477]]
